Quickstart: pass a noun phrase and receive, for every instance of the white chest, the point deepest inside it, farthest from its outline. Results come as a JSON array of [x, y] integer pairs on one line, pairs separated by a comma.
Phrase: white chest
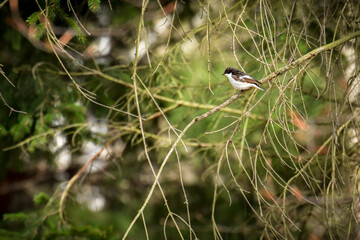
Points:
[[237, 84]]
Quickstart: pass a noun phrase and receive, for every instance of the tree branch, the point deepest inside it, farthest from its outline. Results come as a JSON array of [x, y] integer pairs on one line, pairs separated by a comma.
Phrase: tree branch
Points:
[[305, 58]]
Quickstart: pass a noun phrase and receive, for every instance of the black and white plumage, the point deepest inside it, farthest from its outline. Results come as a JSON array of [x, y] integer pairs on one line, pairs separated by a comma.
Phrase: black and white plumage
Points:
[[240, 80]]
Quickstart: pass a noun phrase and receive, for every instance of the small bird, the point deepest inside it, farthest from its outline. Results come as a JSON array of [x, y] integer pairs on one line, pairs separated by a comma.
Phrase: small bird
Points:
[[240, 80]]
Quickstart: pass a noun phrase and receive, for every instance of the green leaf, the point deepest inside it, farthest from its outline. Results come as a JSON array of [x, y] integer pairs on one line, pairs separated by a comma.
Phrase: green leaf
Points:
[[37, 143], [18, 131], [49, 118], [77, 30], [41, 198], [73, 112], [15, 217], [33, 18], [40, 31], [94, 5]]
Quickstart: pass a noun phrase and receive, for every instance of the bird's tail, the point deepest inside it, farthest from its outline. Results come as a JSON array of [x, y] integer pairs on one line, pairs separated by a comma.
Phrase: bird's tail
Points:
[[258, 87]]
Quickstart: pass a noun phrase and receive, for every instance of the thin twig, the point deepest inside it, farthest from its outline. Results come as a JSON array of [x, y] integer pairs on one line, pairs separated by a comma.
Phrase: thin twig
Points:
[[71, 183]]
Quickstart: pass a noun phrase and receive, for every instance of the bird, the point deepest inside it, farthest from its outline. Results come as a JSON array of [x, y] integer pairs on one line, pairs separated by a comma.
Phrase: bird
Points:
[[240, 80]]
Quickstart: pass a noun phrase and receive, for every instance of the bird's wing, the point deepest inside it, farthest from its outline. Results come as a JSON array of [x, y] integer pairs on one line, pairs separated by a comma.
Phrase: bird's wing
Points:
[[246, 78]]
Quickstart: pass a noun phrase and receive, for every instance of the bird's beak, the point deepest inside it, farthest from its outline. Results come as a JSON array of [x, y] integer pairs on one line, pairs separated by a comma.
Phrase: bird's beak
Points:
[[223, 74]]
